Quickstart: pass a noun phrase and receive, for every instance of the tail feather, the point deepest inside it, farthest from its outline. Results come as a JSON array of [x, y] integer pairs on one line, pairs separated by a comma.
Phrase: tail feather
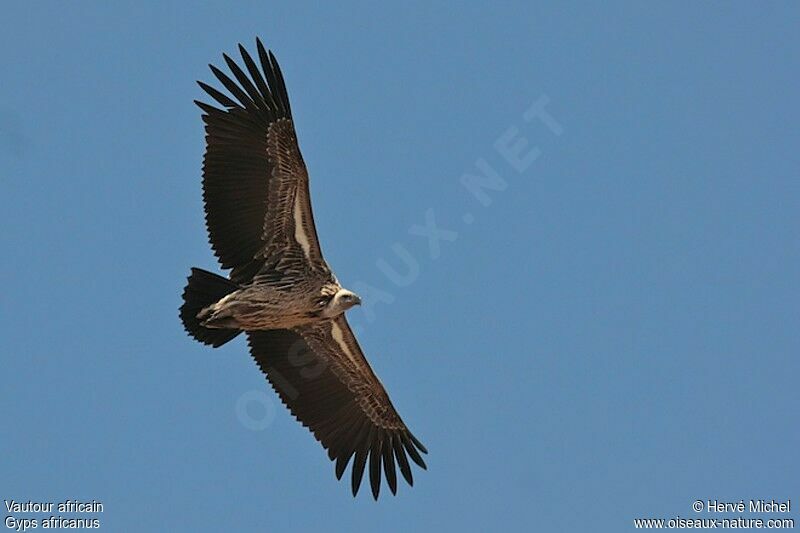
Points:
[[204, 289]]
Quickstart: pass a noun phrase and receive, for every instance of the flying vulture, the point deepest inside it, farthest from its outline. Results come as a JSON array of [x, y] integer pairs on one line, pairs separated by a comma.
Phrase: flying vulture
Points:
[[280, 291]]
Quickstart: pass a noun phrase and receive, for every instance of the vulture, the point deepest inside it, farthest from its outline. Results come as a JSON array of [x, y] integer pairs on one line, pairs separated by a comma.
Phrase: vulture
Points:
[[279, 290]]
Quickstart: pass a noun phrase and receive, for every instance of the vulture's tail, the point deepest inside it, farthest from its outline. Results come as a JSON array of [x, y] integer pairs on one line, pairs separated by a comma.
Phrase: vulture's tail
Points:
[[204, 289]]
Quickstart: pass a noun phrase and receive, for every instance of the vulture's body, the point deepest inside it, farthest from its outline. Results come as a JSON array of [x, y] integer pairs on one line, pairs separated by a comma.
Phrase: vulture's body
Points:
[[280, 290]]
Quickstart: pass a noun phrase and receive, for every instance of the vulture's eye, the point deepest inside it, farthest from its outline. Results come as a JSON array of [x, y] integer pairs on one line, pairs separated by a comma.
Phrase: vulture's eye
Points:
[[322, 302]]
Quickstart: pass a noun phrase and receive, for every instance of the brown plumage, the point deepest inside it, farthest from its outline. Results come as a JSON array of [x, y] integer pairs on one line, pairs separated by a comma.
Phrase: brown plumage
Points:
[[280, 290]]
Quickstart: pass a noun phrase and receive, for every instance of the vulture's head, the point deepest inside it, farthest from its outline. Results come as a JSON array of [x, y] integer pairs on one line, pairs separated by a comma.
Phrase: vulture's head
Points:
[[340, 302]]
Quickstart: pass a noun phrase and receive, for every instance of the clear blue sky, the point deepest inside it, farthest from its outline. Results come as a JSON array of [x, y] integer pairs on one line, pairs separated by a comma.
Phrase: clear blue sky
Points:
[[613, 336]]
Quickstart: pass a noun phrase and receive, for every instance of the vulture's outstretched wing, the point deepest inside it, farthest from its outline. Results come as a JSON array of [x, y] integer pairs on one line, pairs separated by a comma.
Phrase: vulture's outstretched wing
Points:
[[255, 184], [321, 374]]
